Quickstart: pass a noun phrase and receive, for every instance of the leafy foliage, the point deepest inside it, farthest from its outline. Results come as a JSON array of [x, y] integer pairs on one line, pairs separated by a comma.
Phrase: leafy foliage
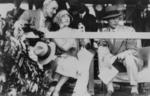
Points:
[[22, 73]]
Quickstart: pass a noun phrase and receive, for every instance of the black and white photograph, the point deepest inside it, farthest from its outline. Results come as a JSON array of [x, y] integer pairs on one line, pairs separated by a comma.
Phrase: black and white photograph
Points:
[[74, 47]]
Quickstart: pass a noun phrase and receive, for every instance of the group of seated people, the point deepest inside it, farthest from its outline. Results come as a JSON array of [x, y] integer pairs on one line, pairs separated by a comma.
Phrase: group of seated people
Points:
[[67, 64]]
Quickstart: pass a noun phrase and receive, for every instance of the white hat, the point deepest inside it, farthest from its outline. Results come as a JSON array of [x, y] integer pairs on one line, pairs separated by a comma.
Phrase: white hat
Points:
[[45, 52], [112, 12]]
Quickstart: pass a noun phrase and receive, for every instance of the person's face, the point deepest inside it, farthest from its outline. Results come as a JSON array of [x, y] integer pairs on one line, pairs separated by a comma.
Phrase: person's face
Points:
[[51, 8], [113, 22], [98, 7], [65, 20]]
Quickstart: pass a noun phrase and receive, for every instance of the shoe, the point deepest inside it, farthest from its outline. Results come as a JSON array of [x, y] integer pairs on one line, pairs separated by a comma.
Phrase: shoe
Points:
[[134, 94], [55, 93], [91, 92], [109, 93], [50, 92]]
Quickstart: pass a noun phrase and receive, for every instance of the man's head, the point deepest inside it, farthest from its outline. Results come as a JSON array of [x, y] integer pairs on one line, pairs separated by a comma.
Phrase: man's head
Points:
[[50, 7], [113, 22], [112, 15]]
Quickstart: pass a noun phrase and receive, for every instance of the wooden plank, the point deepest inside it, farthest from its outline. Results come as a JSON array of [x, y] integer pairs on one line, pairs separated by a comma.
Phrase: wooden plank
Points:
[[138, 35]]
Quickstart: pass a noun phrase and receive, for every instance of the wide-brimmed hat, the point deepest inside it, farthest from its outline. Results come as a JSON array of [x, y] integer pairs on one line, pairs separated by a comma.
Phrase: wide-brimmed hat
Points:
[[45, 52], [59, 15], [112, 12]]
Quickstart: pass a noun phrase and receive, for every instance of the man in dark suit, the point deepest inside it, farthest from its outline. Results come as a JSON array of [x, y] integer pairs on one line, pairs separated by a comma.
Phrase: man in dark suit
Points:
[[88, 21]]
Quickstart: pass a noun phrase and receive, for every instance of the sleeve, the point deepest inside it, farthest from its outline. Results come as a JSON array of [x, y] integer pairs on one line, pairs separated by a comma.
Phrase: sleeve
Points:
[[91, 24], [26, 16], [132, 43], [24, 19]]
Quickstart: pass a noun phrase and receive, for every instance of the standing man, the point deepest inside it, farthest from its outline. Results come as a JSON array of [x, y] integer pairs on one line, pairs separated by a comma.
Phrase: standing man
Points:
[[124, 49], [87, 19], [36, 18], [87, 22]]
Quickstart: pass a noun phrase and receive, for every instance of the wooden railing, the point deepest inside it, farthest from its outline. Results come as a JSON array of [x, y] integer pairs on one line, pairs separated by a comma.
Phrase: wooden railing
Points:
[[137, 35]]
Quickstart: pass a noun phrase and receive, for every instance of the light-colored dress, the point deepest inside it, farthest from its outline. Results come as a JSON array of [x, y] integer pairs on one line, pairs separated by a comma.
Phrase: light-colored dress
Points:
[[67, 65], [67, 62]]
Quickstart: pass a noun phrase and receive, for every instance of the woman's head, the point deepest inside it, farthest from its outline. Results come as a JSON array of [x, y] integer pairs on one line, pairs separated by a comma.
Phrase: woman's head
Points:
[[63, 18]]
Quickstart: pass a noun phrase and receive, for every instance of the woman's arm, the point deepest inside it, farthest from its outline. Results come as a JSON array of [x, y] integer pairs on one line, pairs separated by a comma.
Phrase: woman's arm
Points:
[[65, 44]]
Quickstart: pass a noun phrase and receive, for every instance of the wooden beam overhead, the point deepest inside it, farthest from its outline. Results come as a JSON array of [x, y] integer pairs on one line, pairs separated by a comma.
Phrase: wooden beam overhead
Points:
[[113, 1], [95, 1], [6, 1]]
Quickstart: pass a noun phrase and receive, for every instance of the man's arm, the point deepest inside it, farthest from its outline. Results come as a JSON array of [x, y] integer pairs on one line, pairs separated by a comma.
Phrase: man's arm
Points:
[[24, 19], [132, 43], [131, 46], [26, 16]]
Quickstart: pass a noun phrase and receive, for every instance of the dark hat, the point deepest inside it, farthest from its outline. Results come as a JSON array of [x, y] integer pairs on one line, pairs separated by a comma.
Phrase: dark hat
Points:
[[112, 12]]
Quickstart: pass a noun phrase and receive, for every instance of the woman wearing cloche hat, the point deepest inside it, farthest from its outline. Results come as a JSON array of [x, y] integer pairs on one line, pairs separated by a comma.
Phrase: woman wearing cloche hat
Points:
[[67, 61]]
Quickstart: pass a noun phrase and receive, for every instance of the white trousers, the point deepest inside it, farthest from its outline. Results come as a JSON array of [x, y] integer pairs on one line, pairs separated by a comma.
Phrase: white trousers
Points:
[[85, 57], [130, 61]]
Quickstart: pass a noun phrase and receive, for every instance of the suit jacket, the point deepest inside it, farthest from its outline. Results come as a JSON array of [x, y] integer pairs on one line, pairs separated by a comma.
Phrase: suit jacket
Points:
[[32, 17], [119, 45], [89, 21], [13, 15]]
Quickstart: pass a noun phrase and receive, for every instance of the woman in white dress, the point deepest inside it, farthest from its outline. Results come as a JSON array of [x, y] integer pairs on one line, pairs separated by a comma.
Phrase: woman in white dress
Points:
[[67, 61]]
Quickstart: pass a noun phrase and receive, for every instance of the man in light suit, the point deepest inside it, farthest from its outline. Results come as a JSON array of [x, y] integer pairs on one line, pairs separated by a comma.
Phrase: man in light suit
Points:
[[123, 49], [37, 18]]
